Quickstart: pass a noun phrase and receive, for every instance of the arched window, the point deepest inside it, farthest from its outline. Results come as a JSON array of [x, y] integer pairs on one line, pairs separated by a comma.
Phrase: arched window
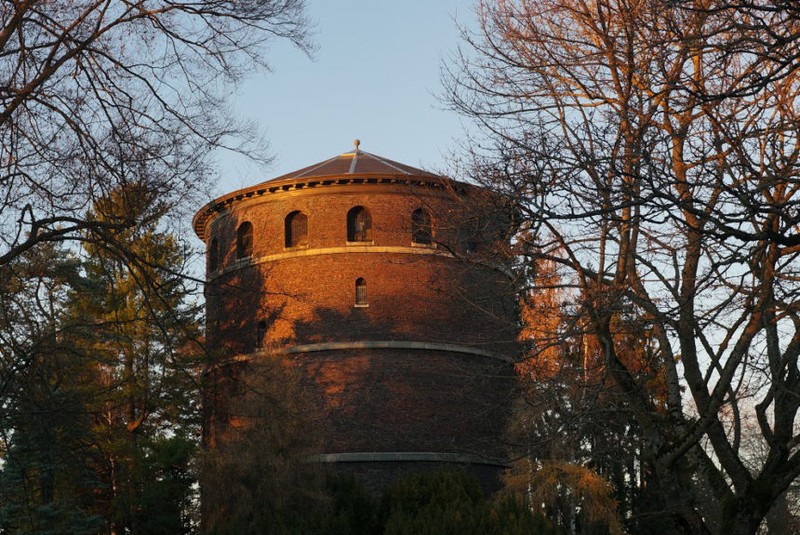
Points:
[[244, 240], [359, 224], [421, 231], [361, 292], [261, 334], [213, 255], [296, 230]]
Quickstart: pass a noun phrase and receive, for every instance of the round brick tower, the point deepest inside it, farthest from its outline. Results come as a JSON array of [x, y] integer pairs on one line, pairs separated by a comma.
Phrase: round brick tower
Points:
[[380, 283]]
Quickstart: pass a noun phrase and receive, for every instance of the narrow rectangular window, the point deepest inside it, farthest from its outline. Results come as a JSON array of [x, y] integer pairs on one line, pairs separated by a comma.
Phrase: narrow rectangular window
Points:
[[261, 334], [361, 292], [244, 240], [421, 228]]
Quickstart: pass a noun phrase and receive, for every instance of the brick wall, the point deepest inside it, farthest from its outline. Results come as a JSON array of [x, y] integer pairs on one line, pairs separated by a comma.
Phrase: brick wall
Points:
[[389, 399]]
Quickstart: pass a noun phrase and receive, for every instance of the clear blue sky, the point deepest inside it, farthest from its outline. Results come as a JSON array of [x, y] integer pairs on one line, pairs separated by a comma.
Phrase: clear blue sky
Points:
[[375, 76]]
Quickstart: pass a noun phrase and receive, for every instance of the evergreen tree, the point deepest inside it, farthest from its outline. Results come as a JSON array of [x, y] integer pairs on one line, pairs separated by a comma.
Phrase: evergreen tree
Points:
[[144, 348], [451, 502], [47, 481], [100, 423]]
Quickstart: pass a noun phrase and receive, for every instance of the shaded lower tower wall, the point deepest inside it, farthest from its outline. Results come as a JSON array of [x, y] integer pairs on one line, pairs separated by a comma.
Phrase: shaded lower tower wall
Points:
[[378, 412], [421, 410], [405, 400]]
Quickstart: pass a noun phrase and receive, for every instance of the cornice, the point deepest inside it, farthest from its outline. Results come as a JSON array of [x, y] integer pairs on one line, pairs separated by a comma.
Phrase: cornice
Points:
[[293, 185]]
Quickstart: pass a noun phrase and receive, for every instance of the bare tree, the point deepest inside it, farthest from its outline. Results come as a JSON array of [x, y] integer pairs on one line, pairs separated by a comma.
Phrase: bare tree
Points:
[[96, 94], [257, 477], [103, 96], [652, 149], [101, 99]]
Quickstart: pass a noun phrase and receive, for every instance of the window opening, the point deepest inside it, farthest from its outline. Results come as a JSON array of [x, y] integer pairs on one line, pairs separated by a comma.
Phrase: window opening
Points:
[[359, 224], [244, 240], [361, 292], [261, 334], [421, 230], [296, 230], [213, 255]]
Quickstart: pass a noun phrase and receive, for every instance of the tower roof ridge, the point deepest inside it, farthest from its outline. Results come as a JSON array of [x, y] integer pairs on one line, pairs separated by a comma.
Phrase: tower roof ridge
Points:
[[356, 162]]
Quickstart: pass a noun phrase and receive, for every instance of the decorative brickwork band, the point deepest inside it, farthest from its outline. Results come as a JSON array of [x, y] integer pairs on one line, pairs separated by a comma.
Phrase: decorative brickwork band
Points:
[[391, 344], [352, 247], [403, 457]]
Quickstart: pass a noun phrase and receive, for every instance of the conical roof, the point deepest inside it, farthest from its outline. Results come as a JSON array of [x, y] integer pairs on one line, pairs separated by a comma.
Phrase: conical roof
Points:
[[356, 162]]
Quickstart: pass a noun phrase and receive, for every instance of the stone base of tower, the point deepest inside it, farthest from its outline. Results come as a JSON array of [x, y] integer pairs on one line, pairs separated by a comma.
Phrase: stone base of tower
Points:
[[377, 471]]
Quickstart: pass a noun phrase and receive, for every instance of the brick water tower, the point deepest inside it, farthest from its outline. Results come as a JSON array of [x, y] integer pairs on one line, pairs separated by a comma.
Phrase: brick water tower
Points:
[[387, 287]]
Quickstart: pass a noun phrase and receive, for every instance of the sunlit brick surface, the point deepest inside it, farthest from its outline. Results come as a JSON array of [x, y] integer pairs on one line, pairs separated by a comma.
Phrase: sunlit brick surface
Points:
[[452, 295]]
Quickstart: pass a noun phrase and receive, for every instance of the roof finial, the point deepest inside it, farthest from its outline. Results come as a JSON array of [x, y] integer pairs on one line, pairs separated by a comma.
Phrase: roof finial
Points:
[[356, 142]]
